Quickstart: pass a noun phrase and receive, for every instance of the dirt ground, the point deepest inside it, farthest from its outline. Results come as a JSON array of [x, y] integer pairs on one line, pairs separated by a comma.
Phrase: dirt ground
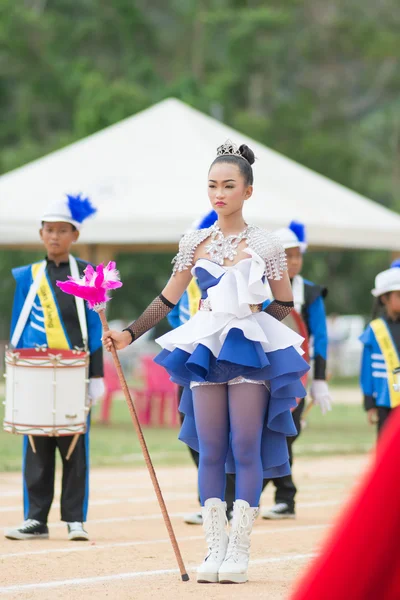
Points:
[[129, 555]]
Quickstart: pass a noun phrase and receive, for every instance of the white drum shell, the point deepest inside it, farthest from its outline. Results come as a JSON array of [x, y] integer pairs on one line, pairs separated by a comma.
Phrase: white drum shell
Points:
[[46, 392]]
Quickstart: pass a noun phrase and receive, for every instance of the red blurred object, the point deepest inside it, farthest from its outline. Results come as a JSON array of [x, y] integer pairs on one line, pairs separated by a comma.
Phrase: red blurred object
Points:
[[157, 389], [158, 386], [295, 322], [112, 385], [361, 559], [302, 330]]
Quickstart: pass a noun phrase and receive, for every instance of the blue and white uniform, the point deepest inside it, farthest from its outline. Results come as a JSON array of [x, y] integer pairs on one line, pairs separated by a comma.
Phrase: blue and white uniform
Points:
[[230, 342], [53, 321]]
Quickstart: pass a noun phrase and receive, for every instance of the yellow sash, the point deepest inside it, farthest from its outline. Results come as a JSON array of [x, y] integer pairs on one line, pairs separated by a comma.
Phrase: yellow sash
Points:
[[390, 354], [56, 337], [194, 296]]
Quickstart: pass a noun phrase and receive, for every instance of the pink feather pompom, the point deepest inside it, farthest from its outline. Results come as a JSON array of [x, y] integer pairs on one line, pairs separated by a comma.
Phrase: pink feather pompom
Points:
[[94, 285]]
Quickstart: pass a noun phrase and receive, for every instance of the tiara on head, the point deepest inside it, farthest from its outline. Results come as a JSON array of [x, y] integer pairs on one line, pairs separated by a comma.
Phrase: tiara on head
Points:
[[229, 149]]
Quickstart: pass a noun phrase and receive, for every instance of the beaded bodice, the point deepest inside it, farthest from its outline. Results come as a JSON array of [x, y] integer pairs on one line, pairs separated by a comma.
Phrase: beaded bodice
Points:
[[263, 243]]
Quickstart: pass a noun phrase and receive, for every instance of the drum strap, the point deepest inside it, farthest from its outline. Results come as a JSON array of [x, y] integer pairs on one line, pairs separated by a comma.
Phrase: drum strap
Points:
[[27, 307], [390, 354], [194, 296], [80, 305]]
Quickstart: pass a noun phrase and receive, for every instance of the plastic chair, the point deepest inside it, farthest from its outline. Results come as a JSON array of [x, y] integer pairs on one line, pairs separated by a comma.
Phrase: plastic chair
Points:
[[112, 385], [157, 385]]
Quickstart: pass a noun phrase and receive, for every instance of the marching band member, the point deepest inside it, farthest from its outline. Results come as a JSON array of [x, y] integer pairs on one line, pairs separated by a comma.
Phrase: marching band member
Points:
[[381, 352], [309, 304], [240, 366], [53, 321]]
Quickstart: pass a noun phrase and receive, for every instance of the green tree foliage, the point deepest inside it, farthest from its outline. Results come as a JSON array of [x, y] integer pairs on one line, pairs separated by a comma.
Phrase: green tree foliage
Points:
[[317, 80]]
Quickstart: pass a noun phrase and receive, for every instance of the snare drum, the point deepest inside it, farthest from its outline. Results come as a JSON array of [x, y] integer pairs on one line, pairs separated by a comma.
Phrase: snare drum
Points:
[[46, 392]]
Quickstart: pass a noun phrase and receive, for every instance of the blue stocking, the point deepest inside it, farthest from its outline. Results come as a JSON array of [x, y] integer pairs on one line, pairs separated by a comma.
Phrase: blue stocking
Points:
[[210, 404], [247, 409]]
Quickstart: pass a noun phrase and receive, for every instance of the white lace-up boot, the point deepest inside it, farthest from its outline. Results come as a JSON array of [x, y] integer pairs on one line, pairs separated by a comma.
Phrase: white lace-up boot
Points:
[[234, 567], [214, 525]]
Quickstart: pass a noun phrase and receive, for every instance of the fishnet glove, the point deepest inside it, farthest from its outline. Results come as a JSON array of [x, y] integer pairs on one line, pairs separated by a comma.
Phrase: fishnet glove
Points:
[[153, 314], [279, 310]]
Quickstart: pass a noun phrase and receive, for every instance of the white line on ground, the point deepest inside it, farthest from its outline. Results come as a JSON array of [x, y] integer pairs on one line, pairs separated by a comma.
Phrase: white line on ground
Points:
[[177, 515], [90, 548], [14, 492], [17, 492], [135, 575], [168, 497], [108, 502], [152, 517], [321, 503]]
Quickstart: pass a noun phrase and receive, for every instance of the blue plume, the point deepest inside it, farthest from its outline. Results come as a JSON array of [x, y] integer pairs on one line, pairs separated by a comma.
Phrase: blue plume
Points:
[[208, 220], [299, 229], [81, 208], [395, 263]]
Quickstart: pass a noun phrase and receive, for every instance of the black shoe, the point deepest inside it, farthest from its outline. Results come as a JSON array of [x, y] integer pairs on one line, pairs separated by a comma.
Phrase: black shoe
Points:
[[29, 530], [279, 511]]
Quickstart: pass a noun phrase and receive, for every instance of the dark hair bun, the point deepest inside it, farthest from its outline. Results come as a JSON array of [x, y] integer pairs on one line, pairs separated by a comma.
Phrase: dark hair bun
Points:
[[247, 153]]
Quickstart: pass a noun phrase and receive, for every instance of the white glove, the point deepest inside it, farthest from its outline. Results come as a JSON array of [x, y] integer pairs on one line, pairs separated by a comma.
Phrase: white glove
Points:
[[96, 389], [320, 395]]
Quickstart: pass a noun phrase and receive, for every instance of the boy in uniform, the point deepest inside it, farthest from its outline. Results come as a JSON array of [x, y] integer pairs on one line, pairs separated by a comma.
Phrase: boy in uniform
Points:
[[309, 304], [381, 349], [53, 321]]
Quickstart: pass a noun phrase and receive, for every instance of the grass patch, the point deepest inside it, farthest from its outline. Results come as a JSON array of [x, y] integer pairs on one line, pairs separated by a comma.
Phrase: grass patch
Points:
[[348, 382], [343, 431]]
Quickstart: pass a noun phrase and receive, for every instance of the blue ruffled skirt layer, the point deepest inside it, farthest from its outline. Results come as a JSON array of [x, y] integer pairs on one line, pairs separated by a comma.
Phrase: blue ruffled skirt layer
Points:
[[282, 369]]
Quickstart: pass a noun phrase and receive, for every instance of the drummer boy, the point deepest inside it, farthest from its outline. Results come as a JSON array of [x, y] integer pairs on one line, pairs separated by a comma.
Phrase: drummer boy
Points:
[[53, 321], [309, 303]]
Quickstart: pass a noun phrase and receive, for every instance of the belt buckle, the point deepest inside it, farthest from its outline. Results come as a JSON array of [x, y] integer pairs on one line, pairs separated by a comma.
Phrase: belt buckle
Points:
[[255, 308]]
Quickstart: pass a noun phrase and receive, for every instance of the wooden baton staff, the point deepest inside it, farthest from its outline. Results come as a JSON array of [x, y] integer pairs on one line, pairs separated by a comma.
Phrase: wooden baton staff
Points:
[[143, 445]]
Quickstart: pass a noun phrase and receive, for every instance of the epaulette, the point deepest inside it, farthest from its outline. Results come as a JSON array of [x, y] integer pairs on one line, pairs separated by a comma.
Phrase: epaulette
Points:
[[270, 249], [187, 247]]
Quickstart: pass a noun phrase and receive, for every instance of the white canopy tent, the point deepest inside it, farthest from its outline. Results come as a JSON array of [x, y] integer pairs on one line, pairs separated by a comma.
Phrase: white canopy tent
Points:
[[148, 177]]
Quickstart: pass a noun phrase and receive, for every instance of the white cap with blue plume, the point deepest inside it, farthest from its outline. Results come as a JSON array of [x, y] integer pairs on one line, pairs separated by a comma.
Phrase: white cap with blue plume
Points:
[[71, 209], [293, 236], [205, 221]]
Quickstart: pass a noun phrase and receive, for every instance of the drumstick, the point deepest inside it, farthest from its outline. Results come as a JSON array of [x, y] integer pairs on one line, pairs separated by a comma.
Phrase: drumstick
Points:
[[32, 443], [72, 445], [143, 445], [94, 287]]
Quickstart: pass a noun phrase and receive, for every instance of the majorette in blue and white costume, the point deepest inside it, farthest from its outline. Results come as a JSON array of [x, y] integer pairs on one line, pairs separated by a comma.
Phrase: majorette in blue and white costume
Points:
[[230, 341], [239, 366]]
